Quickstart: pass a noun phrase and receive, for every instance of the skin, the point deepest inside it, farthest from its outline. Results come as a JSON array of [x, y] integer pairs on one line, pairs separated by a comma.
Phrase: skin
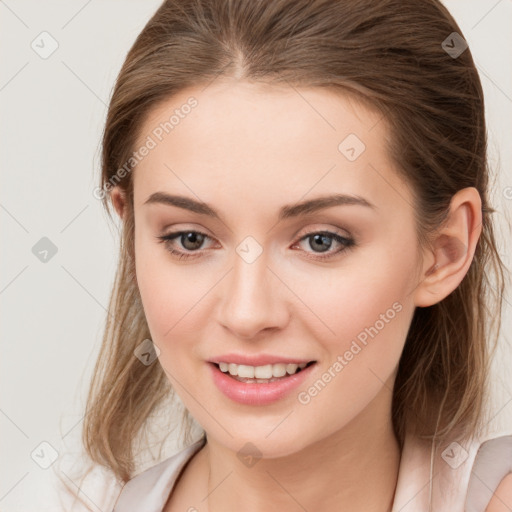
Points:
[[502, 498], [247, 150]]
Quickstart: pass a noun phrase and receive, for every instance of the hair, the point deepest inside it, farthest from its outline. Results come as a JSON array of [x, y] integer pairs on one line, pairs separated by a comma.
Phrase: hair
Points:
[[389, 55]]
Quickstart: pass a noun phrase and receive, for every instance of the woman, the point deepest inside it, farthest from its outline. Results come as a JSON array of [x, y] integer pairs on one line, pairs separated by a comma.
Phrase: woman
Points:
[[307, 260]]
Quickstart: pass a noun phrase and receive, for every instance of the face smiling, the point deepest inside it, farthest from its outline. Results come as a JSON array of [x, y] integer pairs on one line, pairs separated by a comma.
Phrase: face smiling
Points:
[[254, 283]]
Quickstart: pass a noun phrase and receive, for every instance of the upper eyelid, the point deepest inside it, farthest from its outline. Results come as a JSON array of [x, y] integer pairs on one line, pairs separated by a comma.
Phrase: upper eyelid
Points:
[[336, 230]]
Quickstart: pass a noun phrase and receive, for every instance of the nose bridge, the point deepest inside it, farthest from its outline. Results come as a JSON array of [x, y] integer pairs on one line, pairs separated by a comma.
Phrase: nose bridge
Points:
[[252, 298]]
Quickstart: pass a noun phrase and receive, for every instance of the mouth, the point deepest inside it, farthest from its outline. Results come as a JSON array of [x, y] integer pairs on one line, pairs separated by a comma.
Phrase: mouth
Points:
[[260, 385], [261, 374]]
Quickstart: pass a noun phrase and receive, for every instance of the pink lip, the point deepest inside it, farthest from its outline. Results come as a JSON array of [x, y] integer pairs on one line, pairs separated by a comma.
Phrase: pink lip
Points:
[[259, 360], [257, 394]]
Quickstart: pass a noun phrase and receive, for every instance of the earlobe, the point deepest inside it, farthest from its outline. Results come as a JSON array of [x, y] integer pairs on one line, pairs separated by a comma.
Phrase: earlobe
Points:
[[452, 249], [118, 199]]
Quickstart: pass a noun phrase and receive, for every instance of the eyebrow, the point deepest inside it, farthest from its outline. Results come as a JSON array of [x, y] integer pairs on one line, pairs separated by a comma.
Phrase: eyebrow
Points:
[[286, 212]]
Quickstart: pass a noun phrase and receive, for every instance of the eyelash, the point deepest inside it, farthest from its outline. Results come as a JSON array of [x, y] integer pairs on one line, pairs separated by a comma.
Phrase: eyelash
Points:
[[347, 242]]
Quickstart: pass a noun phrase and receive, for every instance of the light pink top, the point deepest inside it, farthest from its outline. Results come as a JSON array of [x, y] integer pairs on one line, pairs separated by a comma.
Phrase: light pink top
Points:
[[463, 477]]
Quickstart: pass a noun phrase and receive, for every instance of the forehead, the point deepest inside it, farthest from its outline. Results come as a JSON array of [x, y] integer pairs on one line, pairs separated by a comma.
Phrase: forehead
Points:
[[260, 110], [263, 141]]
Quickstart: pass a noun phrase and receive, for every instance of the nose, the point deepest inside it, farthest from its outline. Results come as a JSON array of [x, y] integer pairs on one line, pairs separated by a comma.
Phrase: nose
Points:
[[254, 299]]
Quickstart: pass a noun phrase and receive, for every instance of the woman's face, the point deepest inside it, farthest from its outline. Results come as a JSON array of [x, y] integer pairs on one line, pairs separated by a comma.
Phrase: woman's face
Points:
[[265, 277]]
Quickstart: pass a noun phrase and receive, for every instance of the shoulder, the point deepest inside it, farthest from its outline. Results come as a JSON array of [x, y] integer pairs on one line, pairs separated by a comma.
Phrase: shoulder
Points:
[[490, 484], [501, 500], [151, 488]]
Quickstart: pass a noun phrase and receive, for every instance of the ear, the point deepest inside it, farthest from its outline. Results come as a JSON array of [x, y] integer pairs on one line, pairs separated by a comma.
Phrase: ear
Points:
[[118, 199], [453, 246]]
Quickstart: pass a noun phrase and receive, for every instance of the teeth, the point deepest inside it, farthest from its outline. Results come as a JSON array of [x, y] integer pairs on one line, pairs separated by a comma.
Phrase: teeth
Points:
[[260, 372]]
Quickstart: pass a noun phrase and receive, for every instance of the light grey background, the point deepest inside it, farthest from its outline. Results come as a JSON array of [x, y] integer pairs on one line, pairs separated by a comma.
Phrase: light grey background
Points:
[[53, 111]]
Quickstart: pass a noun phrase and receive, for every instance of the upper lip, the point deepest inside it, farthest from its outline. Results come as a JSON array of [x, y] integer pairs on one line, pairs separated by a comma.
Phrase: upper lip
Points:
[[257, 360]]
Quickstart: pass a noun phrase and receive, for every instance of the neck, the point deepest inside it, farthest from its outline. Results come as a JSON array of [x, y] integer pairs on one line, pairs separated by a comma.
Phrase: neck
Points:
[[334, 473]]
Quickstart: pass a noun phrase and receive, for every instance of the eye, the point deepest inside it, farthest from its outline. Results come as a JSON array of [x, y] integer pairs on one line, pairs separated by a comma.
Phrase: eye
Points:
[[319, 241], [190, 240], [322, 241]]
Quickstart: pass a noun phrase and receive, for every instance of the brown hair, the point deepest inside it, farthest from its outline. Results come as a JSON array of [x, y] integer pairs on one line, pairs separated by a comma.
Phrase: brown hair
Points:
[[391, 55]]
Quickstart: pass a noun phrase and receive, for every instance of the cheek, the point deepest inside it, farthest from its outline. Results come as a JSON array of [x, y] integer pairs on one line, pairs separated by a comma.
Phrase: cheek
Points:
[[365, 307], [167, 290], [369, 312]]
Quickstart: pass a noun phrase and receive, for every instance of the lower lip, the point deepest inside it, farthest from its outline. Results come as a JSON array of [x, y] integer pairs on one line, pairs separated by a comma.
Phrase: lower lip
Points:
[[258, 394]]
